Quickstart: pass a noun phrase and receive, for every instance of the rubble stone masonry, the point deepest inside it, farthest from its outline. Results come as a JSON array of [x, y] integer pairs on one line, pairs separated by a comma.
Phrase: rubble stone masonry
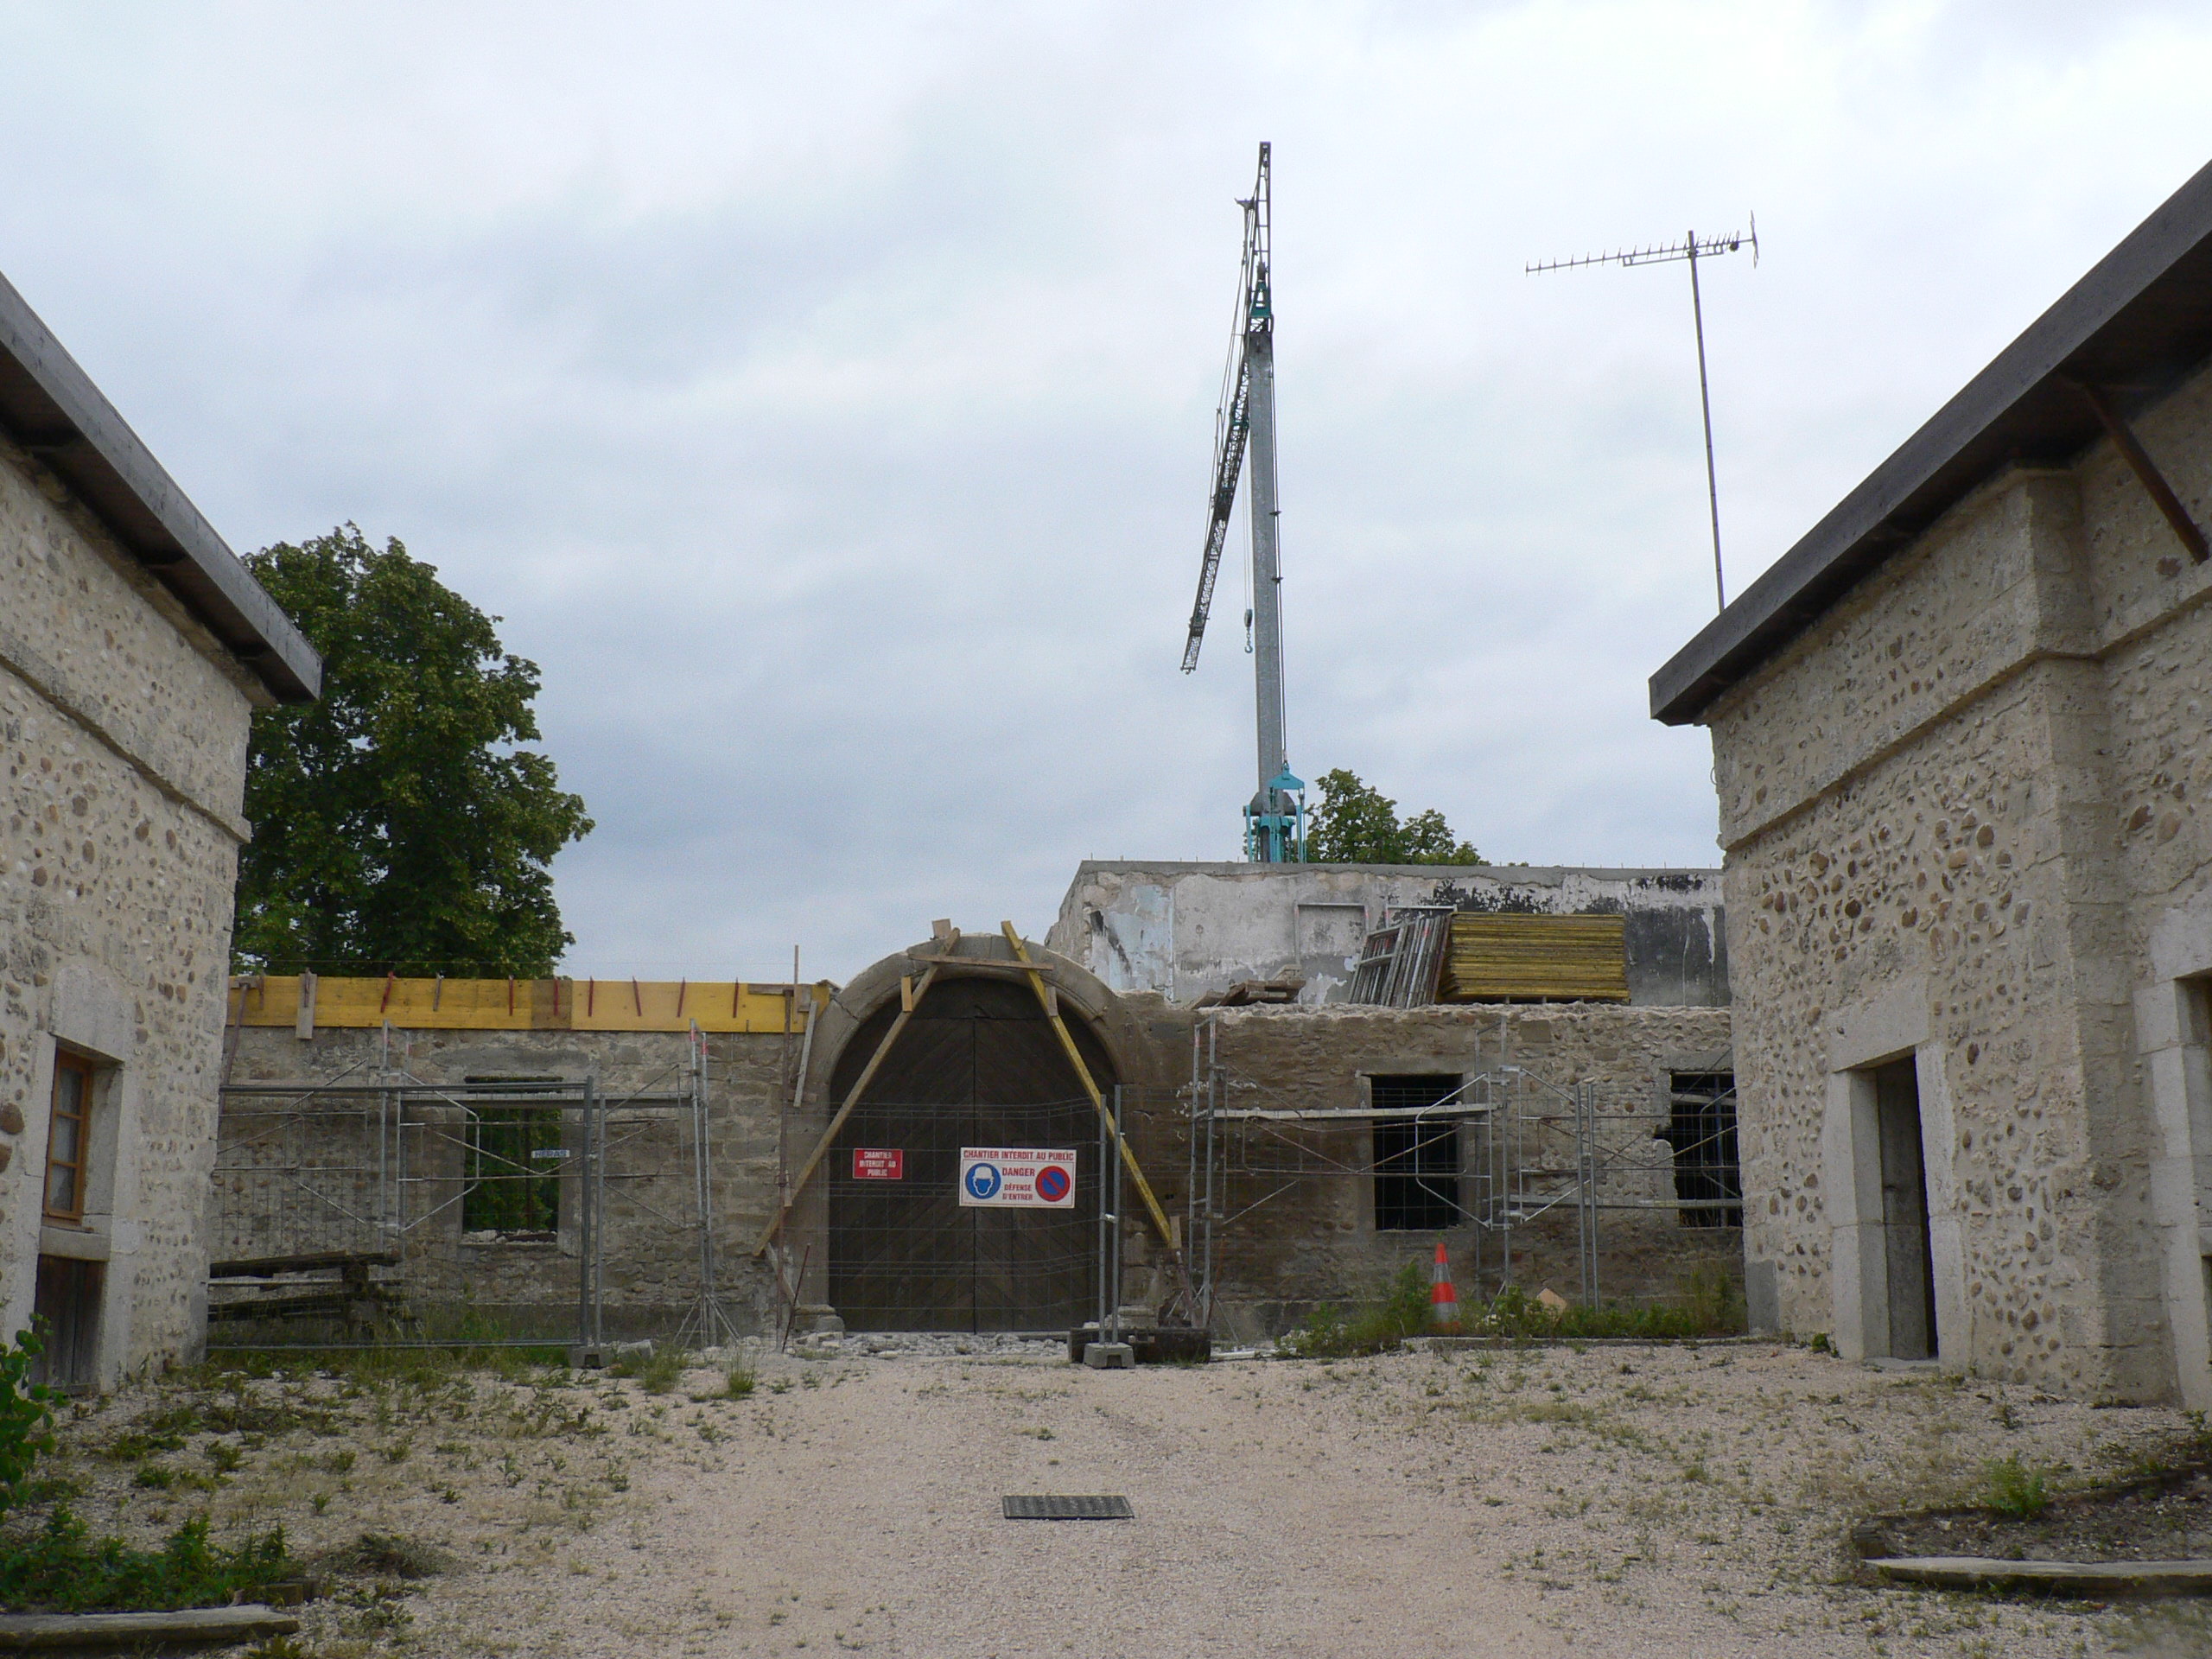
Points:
[[1964, 822], [123, 736]]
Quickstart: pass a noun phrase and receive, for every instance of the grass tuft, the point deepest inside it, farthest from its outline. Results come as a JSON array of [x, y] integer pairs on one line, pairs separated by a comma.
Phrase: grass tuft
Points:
[[659, 1373]]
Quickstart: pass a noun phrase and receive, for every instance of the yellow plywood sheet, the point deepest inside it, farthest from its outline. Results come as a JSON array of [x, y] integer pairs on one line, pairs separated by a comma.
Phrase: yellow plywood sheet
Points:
[[1553, 958], [526, 1004]]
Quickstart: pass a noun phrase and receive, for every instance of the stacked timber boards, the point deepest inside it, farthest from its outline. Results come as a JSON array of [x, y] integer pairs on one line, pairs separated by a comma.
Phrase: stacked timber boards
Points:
[[1525, 958]]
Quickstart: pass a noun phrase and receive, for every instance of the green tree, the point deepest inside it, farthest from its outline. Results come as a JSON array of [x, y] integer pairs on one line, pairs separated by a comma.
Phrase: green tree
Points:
[[396, 826], [1355, 825]]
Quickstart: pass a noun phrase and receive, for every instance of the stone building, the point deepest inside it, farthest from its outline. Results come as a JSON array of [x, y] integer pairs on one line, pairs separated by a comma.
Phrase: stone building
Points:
[[1959, 739], [1350, 1140], [134, 646], [1183, 929]]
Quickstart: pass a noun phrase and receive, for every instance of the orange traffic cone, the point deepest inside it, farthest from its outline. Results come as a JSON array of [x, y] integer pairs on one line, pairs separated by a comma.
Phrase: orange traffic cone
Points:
[[1443, 1301]]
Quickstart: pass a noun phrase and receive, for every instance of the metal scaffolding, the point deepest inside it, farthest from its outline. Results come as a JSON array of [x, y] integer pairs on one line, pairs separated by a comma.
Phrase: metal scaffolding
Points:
[[341, 1205], [1521, 1148]]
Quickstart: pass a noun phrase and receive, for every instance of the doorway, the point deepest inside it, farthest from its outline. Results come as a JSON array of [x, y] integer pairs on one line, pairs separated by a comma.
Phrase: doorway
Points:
[[66, 1303], [1909, 1257], [977, 1065]]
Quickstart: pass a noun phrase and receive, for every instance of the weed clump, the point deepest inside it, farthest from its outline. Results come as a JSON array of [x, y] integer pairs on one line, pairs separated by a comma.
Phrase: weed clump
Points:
[[740, 1380], [62, 1568], [1401, 1312], [1705, 1304], [656, 1372], [385, 1556], [2013, 1490]]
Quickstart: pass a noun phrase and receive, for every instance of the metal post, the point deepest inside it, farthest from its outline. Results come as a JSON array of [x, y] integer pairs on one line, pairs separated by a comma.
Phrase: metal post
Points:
[[1213, 1159], [1106, 1213], [1267, 594], [1705, 405], [598, 1219], [709, 1308], [385, 1229], [1191, 1178], [1586, 1133], [1510, 1164], [1116, 1335], [583, 1219]]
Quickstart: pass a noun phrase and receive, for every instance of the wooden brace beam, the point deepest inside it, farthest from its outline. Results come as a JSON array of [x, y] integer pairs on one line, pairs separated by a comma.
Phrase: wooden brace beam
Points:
[[2147, 474], [912, 993], [1050, 1003]]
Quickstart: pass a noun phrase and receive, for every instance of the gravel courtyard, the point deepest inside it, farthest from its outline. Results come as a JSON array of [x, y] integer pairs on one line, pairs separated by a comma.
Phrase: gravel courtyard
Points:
[[1625, 1501]]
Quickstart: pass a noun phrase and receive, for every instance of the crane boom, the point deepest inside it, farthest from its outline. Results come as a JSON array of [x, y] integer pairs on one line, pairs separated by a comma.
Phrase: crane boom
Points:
[[1236, 426]]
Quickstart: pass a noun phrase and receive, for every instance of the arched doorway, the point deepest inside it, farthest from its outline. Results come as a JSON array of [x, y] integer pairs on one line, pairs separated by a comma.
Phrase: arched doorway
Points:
[[977, 1065]]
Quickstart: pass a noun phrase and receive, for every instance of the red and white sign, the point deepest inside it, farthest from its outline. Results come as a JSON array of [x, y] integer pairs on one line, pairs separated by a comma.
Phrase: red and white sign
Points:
[[1028, 1178], [878, 1164]]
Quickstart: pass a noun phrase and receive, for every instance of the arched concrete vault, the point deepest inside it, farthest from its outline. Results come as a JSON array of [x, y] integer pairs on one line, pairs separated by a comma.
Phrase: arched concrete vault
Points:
[[976, 1063]]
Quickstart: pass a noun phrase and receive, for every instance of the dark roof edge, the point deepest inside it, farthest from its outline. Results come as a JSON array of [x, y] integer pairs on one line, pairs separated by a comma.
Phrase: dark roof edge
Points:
[[1935, 467], [51, 406]]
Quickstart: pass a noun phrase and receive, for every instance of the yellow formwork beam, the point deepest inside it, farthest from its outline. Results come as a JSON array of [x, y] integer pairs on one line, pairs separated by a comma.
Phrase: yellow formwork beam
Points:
[[563, 1004]]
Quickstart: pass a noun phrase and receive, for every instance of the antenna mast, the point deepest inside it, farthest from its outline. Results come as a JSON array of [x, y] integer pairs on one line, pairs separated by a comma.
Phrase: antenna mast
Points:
[[1692, 248], [1244, 432]]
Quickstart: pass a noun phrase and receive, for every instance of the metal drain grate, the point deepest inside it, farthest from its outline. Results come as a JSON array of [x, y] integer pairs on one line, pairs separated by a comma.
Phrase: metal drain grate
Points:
[[1101, 1507]]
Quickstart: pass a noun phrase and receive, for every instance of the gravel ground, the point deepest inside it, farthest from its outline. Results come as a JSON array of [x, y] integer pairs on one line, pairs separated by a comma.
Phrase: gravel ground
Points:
[[1626, 1502]]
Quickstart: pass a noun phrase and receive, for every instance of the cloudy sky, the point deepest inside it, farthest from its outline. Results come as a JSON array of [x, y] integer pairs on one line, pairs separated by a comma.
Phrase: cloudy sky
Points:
[[823, 394]]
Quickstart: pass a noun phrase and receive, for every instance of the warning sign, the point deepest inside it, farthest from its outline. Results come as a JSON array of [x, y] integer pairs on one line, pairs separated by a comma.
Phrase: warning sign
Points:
[[1029, 1177], [878, 1164]]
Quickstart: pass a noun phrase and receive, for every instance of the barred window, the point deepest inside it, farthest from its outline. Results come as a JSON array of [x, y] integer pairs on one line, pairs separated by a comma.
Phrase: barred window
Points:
[[1702, 1132], [1416, 1159]]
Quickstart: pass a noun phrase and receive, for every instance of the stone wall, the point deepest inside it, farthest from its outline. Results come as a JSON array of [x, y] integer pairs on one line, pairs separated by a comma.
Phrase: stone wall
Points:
[[1316, 1243], [1302, 1199], [528, 1286], [122, 732], [1961, 821]]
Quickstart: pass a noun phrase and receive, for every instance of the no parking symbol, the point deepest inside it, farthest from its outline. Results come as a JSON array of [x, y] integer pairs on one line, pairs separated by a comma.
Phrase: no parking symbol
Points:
[[1028, 1178]]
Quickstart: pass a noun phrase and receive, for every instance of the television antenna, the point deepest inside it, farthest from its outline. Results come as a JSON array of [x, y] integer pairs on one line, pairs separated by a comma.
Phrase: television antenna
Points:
[[1692, 248]]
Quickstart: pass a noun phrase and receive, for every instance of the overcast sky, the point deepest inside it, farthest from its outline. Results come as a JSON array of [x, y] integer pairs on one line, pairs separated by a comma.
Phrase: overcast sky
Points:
[[823, 394]]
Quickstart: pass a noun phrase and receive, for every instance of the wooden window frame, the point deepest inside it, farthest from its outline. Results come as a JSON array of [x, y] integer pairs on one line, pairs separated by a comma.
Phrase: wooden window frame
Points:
[[80, 1171]]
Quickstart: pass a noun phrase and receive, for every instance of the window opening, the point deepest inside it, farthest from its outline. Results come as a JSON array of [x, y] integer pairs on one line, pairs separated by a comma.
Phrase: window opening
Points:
[[68, 1138], [1702, 1131], [514, 1160], [1416, 1160]]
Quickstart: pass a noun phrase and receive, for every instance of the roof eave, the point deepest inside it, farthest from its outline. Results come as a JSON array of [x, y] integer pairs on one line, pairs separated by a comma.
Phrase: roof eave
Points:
[[50, 407], [2133, 326]]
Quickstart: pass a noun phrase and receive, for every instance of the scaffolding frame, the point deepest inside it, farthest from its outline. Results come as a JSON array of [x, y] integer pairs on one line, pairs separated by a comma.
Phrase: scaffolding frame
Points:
[[1595, 1149], [380, 1210]]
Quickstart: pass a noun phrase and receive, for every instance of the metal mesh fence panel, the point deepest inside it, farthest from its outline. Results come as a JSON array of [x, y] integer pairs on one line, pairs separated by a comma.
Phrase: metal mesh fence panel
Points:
[[907, 1254]]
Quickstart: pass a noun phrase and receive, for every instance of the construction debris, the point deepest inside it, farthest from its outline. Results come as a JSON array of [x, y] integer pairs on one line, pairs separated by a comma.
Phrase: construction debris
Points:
[[1246, 992]]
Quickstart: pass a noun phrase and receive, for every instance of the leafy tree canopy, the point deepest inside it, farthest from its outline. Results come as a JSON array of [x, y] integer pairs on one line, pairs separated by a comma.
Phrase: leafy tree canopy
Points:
[[396, 826], [1355, 825]]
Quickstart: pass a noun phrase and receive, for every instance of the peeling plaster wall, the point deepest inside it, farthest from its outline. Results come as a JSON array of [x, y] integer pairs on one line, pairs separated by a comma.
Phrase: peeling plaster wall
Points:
[[1181, 930]]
